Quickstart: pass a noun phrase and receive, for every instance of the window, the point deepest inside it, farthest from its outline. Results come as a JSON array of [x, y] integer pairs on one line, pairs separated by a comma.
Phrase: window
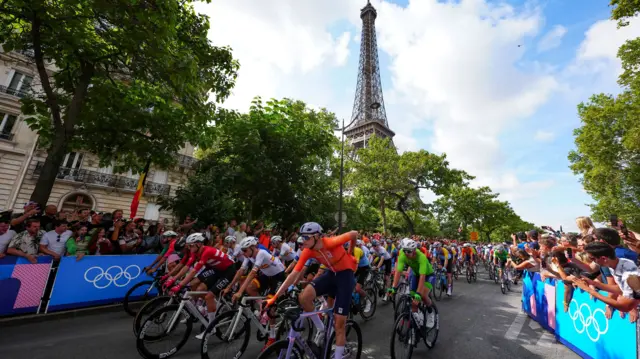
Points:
[[152, 213], [6, 125], [160, 177], [20, 84], [72, 160]]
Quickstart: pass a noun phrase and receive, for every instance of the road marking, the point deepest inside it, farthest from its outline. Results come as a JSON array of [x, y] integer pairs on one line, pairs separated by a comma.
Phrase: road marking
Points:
[[547, 340], [516, 326]]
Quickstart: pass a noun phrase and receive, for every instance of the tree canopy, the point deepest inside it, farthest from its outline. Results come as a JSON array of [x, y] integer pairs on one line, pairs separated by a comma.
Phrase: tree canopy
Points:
[[132, 80]]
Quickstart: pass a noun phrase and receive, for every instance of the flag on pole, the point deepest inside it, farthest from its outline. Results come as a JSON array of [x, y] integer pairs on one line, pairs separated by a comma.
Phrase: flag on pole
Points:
[[136, 197]]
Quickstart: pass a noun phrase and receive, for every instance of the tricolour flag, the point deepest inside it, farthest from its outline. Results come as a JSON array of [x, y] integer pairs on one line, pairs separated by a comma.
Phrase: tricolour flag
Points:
[[136, 197]]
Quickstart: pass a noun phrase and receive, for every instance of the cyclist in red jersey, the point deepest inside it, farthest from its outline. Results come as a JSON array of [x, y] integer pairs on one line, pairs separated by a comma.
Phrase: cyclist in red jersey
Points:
[[337, 282], [218, 272], [167, 237]]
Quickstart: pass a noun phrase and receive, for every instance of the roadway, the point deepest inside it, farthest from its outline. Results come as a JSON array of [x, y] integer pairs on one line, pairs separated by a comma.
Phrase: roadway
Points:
[[478, 322]]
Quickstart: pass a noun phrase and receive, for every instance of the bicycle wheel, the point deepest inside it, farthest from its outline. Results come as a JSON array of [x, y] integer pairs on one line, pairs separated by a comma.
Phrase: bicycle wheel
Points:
[[468, 275], [372, 301], [404, 305], [147, 309], [508, 285], [439, 288], [231, 345], [431, 335], [455, 274], [475, 276], [496, 275], [404, 332], [353, 345], [279, 350], [503, 287], [162, 317], [128, 298]]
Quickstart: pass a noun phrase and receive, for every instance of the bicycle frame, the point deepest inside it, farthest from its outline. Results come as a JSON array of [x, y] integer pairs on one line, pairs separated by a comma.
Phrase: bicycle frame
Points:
[[186, 303], [244, 309], [295, 337]]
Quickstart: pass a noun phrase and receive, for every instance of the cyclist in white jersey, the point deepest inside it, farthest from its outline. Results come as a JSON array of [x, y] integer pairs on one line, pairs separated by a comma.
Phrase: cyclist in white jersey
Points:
[[385, 259], [282, 250]]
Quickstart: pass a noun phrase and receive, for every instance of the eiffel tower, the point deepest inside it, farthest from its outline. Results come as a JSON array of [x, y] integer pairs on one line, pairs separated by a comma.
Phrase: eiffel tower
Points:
[[368, 117]]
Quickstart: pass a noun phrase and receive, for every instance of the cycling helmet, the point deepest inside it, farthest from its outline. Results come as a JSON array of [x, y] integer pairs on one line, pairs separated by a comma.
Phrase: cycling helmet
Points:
[[310, 228], [169, 234], [276, 239], [248, 242], [437, 244], [179, 245], [195, 237], [408, 243], [467, 245], [359, 242], [369, 245], [229, 239], [375, 243], [300, 240]]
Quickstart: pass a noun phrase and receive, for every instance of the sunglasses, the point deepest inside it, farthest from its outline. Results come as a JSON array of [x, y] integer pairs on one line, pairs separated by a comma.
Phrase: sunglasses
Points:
[[306, 237], [245, 249], [409, 251]]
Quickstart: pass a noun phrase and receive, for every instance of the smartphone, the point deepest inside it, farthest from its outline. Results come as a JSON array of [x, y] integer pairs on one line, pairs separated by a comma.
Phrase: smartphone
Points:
[[569, 253], [614, 220]]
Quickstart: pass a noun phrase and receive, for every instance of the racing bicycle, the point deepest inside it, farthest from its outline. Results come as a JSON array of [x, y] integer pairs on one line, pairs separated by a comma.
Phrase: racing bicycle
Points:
[[136, 293], [407, 332]]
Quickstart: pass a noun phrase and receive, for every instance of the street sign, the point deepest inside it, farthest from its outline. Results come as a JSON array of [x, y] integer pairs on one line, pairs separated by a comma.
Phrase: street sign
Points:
[[337, 217], [474, 236]]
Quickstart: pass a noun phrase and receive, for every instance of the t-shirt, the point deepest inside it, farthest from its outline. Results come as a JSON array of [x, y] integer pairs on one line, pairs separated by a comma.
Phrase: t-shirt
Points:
[[442, 255], [56, 242], [332, 255], [627, 291], [5, 239], [624, 266], [128, 240], [419, 264], [502, 255], [268, 264], [622, 252]]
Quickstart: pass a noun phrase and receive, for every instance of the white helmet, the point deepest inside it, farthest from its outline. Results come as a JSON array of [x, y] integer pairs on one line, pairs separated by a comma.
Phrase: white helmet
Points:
[[229, 239], [248, 242], [169, 234], [359, 242], [310, 228], [408, 243], [300, 240], [276, 239], [467, 245], [437, 244], [195, 237]]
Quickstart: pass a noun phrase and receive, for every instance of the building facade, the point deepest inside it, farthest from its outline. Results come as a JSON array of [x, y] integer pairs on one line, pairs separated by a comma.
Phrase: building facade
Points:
[[81, 182]]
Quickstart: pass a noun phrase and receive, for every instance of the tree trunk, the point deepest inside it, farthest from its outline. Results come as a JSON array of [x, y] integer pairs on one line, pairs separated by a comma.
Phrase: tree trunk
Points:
[[49, 172], [406, 217], [384, 216]]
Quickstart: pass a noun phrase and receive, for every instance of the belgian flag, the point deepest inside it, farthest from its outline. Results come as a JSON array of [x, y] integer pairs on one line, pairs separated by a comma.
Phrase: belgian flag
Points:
[[136, 197]]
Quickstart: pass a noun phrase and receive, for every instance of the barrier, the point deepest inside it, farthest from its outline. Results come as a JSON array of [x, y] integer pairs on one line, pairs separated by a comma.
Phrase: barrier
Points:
[[96, 280], [584, 327], [22, 284]]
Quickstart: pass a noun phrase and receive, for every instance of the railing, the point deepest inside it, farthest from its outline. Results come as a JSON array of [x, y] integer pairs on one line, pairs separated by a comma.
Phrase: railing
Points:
[[105, 180], [6, 136], [12, 92], [186, 161]]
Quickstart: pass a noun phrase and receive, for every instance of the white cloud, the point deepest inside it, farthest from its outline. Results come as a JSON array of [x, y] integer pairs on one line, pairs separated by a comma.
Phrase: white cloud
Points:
[[544, 136], [552, 39]]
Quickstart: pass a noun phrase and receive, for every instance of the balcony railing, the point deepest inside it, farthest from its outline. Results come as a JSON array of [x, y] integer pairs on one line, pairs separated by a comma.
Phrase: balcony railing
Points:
[[186, 161], [12, 92], [106, 180]]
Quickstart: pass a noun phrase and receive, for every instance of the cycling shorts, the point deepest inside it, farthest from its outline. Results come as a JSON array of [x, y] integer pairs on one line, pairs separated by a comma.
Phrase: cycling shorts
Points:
[[449, 268], [312, 269], [339, 286], [216, 281], [414, 281], [387, 266], [361, 274], [272, 283]]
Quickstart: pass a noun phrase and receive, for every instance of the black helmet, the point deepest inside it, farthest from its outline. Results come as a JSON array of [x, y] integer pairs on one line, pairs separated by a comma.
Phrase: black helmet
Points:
[[179, 245]]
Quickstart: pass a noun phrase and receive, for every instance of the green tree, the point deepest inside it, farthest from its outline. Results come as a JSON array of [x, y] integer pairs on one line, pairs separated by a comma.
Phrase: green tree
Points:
[[132, 83], [276, 162]]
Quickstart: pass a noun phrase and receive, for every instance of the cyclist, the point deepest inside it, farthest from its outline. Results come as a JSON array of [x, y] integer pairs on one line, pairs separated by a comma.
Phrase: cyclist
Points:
[[168, 240], [444, 260], [282, 250], [500, 256], [337, 281], [363, 270], [469, 258], [421, 271], [269, 272], [384, 259], [218, 271]]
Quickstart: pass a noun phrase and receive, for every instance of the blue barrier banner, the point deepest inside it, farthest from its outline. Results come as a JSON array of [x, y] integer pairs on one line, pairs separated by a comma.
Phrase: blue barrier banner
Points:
[[585, 329], [539, 300], [96, 280], [22, 284]]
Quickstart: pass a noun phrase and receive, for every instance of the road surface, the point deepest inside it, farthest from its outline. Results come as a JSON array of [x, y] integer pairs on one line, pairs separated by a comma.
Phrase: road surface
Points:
[[478, 322]]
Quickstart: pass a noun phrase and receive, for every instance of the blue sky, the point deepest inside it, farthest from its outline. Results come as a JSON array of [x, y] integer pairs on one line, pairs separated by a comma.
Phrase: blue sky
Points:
[[454, 79]]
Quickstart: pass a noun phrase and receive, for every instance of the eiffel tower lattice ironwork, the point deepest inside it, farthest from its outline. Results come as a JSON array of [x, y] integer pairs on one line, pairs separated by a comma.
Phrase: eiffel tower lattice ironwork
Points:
[[369, 117]]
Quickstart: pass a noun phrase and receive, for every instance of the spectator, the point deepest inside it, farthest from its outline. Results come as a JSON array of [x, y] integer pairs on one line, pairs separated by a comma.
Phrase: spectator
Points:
[[18, 220], [25, 244], [152, 242], [612, 238], [230, 229], [6, 235], [240, 233], [54, 242], [78, 244], [585, 225], [100, 244], [533, 239], [96, 221], [116, 216], [127, 238], [527, 261]]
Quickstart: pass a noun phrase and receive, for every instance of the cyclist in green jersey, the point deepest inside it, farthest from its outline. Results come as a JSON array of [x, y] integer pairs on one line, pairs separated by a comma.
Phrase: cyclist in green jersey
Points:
[[421, 271], [500, 254]]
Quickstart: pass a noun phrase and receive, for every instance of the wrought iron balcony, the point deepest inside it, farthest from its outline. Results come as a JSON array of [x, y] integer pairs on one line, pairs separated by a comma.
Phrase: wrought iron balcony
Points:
[[94, 178], [186, 161], [12, 92]]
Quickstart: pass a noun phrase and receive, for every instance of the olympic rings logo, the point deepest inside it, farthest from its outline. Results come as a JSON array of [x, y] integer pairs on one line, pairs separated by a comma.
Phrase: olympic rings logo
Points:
[[585, 320], [115, 274]]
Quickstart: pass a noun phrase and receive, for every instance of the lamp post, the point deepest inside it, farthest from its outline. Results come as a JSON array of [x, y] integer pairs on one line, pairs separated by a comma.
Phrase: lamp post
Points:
[[373, 106]]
